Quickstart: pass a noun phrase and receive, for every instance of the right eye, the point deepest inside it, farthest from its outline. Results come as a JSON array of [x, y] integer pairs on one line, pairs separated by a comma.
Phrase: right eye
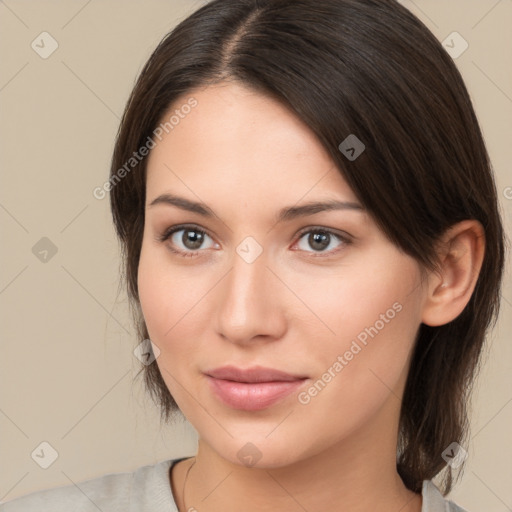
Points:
[[185, 240]]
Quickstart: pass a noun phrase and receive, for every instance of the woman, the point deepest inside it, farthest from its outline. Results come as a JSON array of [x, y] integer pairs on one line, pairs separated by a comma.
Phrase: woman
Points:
[[312, 244]]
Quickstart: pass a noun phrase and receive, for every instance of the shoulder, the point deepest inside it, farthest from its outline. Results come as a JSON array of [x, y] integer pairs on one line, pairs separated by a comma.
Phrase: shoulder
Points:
[[90, 495], [434, 501], [147, 485]]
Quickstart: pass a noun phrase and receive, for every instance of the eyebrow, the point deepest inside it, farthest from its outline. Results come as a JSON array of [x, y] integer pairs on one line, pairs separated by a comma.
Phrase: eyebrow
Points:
[[285, 214]]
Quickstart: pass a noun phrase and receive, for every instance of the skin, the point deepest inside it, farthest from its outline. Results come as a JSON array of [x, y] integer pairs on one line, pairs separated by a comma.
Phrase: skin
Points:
[[296, 307]]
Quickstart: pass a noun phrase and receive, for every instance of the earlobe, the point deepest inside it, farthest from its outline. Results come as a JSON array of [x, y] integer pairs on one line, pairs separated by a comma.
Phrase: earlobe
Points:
[[461, 254]]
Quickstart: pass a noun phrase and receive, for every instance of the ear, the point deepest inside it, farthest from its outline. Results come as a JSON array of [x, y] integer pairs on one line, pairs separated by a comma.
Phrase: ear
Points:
[[461, 253]]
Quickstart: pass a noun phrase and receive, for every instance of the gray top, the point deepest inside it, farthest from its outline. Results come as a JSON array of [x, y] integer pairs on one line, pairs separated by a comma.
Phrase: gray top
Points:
[[146, 489]]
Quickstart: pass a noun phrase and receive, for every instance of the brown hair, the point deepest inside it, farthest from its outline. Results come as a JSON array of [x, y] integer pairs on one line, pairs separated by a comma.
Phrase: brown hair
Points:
[[347, 67]]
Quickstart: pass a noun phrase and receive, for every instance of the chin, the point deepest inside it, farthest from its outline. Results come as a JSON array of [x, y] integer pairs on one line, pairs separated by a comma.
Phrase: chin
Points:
[[260, 452]]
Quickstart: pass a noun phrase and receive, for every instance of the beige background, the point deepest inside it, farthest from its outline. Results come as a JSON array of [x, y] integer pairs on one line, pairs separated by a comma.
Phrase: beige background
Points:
[[66, 361]]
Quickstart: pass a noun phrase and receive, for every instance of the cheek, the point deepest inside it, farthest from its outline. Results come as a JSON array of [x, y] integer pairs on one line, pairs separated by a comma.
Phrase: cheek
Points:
[[174, 305], [154, 295], [167, 295], [164, 301], [344, 302], [376, 327], [374, 315]]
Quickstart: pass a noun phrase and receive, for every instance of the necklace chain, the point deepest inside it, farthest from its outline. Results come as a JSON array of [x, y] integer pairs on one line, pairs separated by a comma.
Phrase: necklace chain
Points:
[[185, 483]]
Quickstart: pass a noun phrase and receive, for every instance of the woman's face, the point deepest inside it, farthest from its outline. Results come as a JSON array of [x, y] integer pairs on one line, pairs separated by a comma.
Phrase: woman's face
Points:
[[318, 293]]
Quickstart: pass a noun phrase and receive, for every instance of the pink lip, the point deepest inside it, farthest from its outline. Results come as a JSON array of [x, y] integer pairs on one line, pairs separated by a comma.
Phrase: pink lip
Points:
[[252, 389]]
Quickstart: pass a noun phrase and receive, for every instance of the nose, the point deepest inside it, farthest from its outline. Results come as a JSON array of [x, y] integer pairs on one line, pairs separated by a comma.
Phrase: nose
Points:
[[251, 302]]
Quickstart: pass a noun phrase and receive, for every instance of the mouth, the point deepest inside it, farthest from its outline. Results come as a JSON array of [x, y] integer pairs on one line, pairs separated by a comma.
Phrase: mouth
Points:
[[254, 388]]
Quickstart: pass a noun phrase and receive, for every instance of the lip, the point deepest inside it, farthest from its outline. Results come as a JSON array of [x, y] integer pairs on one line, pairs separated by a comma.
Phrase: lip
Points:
[[253, 374], [254, 388]]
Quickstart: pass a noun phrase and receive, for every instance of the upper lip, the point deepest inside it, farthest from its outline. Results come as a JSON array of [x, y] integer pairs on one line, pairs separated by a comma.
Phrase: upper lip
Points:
[[254, 374]]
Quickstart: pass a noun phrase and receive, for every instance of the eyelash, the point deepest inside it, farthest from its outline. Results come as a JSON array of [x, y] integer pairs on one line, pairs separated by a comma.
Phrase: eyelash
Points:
[[346, 240]]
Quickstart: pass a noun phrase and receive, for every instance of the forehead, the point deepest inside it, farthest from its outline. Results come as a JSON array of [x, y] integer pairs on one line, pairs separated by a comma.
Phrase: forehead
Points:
[[237, 143]]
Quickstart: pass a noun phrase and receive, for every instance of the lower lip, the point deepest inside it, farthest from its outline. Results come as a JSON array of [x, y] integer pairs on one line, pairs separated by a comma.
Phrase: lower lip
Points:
[[252, 396]]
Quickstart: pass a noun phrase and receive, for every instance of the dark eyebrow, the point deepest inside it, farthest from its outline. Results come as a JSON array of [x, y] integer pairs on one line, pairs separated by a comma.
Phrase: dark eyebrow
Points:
[[184, 204], [311, 208], [286, 214]]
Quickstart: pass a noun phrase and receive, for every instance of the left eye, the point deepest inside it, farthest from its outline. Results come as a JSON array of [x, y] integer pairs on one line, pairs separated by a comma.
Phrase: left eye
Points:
[[320, 240]]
